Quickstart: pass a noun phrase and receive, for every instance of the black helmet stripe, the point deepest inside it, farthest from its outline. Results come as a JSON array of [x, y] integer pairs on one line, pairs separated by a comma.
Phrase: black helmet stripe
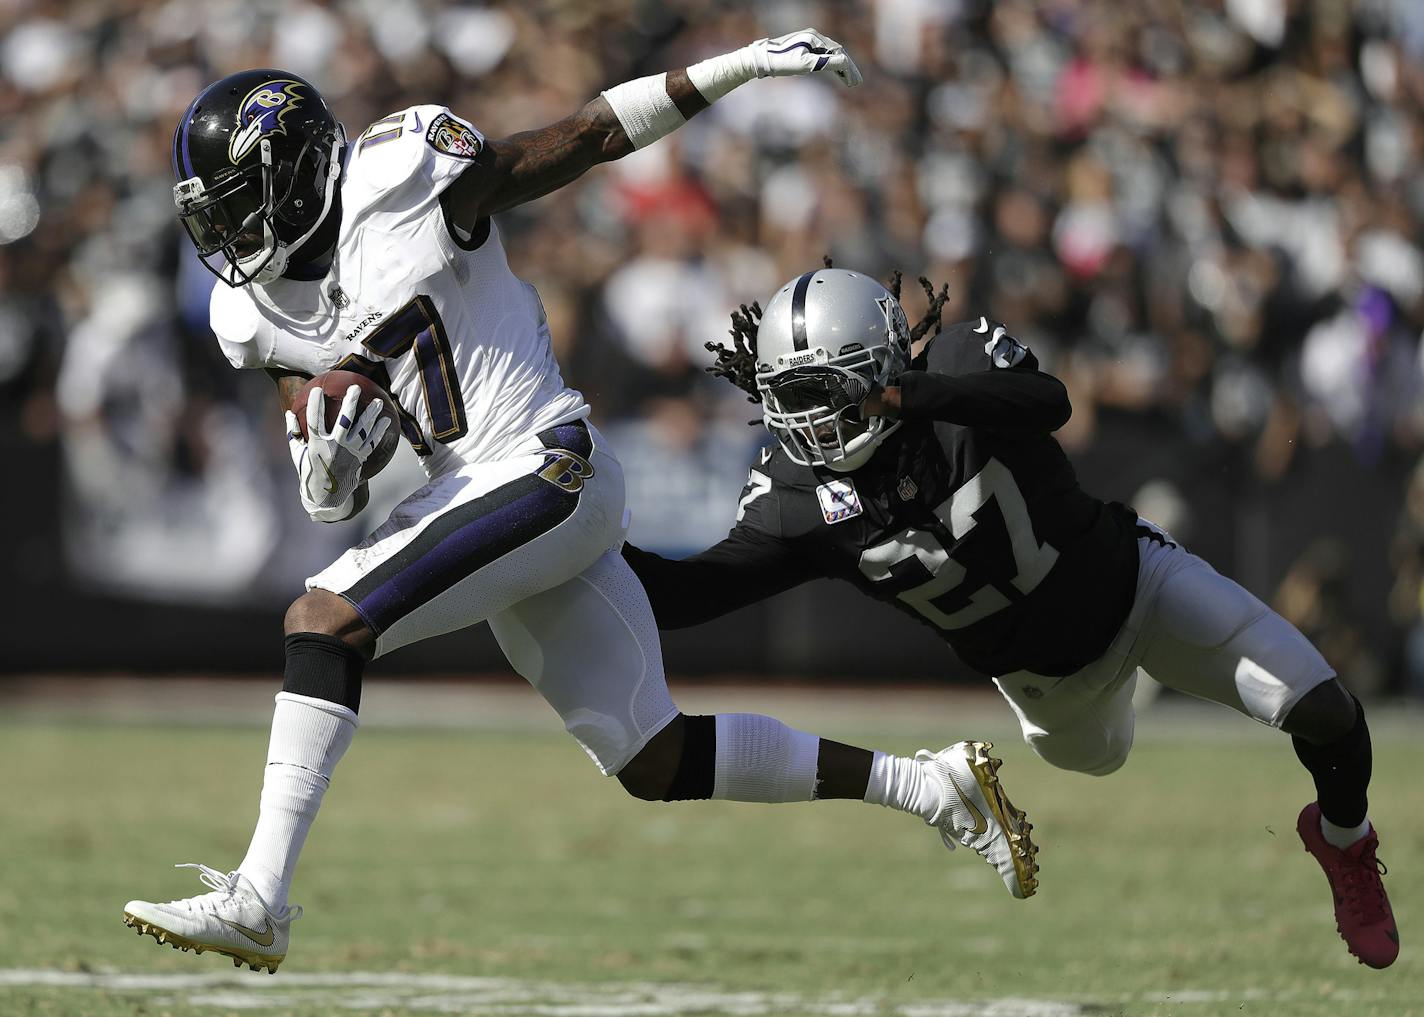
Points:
[[798, 310]]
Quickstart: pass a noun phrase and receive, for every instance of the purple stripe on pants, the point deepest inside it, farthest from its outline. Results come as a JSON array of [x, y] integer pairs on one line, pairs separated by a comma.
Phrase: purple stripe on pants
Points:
[[458, 545]]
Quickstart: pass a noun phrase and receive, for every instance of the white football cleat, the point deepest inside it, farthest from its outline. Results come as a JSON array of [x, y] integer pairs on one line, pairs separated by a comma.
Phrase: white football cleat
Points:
[[233, 920], [975, 812]]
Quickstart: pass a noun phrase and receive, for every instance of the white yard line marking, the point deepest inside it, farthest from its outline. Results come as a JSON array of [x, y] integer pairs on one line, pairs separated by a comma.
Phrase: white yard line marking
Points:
[[505, 997], [434, 993]]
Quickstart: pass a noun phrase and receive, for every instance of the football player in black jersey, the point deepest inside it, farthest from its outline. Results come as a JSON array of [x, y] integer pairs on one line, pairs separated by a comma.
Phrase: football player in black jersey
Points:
[[934, 483]]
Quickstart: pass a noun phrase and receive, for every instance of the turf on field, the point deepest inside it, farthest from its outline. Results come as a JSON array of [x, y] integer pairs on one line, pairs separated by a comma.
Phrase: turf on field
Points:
[[495, 873]]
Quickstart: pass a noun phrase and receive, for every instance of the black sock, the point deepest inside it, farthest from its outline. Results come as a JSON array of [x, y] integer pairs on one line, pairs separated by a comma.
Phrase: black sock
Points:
[[324, 667], [696, 770], [1341, 771]]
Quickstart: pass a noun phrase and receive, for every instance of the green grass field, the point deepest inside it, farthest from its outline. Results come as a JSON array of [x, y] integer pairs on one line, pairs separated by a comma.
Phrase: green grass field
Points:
[[487, 873]]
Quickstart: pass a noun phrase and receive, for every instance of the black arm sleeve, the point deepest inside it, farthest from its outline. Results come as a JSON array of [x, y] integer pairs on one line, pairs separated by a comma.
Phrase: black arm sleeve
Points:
[[1009, 400], [746, 567]]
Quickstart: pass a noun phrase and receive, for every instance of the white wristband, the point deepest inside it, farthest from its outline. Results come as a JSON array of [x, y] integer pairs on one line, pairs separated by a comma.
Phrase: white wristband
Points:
[[718, 75], [645, 109]]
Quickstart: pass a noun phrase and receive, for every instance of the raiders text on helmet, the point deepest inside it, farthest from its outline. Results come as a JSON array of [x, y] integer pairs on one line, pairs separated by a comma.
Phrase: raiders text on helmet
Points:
[[257, 157], [827, 338]]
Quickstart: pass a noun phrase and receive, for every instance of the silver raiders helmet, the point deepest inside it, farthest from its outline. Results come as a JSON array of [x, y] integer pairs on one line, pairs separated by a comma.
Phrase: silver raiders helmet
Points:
[[826, 339]]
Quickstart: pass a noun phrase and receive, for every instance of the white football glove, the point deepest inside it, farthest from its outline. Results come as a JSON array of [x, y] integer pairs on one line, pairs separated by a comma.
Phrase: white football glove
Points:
[[803, 52], [329, 462]]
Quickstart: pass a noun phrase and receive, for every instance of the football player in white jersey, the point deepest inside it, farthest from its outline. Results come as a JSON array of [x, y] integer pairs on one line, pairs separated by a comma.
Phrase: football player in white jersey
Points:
[[379, 255]]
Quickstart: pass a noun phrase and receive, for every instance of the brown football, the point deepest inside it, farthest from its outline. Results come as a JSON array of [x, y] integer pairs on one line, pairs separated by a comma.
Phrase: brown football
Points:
[[335, 384]]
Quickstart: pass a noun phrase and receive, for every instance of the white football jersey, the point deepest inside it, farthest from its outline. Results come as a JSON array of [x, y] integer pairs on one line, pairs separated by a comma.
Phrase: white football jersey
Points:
[[459, 340]]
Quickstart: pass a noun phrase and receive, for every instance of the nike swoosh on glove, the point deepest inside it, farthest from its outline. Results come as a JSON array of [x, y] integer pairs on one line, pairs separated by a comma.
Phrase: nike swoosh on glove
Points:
[[328, 463]]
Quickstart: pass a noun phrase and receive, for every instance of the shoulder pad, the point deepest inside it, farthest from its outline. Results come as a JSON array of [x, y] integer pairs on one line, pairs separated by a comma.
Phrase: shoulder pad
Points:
[[421, 149], [977, 345]]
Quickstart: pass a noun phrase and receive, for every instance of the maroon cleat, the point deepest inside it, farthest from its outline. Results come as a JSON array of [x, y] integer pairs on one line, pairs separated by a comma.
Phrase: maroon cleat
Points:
[[1362, 912]]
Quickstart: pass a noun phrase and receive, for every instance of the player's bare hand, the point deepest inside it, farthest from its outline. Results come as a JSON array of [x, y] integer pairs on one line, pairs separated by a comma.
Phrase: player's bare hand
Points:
[[804, 52]]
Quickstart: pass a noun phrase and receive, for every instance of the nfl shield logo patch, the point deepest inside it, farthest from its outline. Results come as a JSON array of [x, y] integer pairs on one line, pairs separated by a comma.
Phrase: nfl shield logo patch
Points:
[[907, 489], [839, 501]]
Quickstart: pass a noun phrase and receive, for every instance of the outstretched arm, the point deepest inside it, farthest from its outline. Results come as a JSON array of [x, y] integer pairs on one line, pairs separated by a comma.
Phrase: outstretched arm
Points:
[[1012, 395], [632, 115], [1022, 401], [746, 567], [530, 164]]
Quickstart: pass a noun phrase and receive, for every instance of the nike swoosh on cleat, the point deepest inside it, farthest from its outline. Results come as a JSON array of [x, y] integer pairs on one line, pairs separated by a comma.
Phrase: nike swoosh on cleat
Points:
[[979, 819], [263, 938]]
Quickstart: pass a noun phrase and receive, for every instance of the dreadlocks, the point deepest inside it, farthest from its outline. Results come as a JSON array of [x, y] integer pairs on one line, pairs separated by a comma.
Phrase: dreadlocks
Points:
[[932, 313], [738, 363]]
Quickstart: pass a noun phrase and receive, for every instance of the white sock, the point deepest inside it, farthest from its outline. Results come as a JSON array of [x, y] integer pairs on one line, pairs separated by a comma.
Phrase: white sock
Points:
[[760, 759], [899, 782], [1343, 836], [309, 737]]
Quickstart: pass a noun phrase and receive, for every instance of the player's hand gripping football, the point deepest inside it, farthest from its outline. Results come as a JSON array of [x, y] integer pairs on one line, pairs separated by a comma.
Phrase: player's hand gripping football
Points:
[[803, 52], [329, 462]]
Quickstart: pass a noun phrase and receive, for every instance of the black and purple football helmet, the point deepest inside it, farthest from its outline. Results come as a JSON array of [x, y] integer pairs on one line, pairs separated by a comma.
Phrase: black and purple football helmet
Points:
[[257, 157]]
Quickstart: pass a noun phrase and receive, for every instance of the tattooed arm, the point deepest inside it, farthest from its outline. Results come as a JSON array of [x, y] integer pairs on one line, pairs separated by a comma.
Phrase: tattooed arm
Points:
[[525, 166], [288, 383], [528, 165]]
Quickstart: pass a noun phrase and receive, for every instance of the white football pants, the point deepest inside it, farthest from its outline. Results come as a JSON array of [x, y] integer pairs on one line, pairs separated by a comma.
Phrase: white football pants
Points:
[[528, 543], [1191, 629]]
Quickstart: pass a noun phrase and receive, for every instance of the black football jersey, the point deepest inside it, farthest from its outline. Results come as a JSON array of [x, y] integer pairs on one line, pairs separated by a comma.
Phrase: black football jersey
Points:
[[969, 517]]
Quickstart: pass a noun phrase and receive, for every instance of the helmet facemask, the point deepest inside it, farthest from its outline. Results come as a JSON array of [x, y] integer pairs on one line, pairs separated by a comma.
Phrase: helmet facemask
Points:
[[239, 224], [811, 401]]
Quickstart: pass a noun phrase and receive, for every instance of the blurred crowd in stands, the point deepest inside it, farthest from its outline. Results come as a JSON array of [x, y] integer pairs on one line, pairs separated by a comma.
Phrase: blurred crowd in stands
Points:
[[1207, 213]]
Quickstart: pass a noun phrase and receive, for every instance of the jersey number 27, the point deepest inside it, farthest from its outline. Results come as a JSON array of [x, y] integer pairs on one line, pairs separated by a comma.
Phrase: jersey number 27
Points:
[[941, 599]]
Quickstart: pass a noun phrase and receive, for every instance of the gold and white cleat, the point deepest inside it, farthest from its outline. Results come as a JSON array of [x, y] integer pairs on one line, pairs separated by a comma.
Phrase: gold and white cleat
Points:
[[975, 812], [232, 920]]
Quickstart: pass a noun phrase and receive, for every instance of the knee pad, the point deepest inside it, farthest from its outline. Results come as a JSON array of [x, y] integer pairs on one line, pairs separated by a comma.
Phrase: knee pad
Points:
[[1097, 755], [1112, 763]]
